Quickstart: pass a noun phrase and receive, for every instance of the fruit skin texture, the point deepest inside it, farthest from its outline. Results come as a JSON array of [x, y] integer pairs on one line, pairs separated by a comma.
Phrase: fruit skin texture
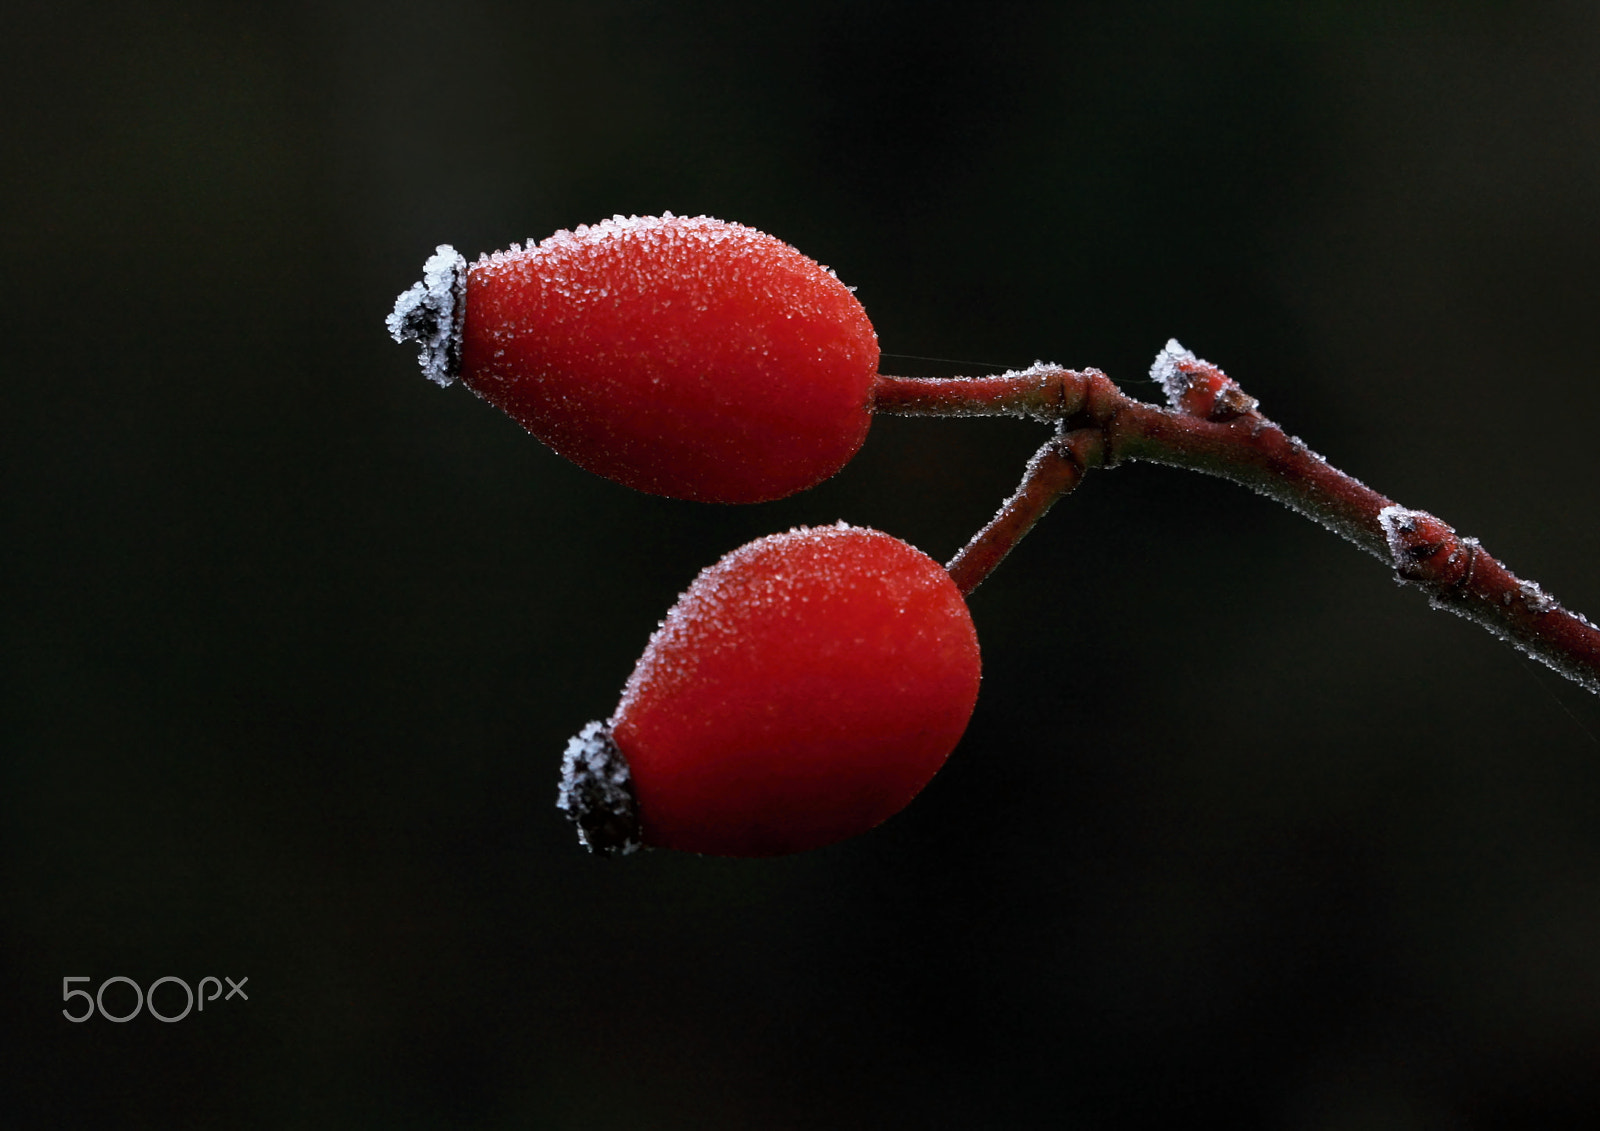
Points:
[[803, 690], [683, 356]]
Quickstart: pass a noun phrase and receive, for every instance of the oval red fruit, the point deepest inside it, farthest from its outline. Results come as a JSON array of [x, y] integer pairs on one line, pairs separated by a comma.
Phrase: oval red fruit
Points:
[[683, 356], [803, 690]]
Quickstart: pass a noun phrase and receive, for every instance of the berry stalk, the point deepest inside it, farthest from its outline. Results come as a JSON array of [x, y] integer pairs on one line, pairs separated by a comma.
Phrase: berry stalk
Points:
[[1054, 470], [1212, 426]]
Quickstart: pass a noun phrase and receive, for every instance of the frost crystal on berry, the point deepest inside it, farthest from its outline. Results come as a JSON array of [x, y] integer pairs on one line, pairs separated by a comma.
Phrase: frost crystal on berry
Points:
[[431, 314], [597, 792]]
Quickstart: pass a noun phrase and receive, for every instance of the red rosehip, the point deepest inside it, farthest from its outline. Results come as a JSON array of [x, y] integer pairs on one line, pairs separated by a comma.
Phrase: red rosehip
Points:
[[803, 690], [686, 357]]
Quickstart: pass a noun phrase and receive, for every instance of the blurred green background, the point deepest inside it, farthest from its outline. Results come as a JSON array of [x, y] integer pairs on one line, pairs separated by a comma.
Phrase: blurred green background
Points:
[[1241, 832]]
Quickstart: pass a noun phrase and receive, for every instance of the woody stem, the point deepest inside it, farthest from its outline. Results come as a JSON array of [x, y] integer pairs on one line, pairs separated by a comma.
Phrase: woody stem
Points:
[[1213, 427]]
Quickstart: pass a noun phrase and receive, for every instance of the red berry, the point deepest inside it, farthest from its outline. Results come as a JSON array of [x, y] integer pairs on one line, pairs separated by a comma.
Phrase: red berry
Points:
[[682, 356], [803, 690]]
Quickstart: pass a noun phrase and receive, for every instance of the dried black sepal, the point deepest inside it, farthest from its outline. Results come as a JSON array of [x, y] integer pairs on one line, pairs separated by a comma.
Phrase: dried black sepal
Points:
[[597, 793], [432, 313]]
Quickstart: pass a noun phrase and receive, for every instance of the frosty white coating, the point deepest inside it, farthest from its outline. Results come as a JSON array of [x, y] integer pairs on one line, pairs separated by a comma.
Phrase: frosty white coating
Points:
[[702, 229], [431, 314], [1399, 522], [1039, 369], [704, 603], [1164, 370], [1396, 522], [556, 254], [597, 792], [1538, 600]]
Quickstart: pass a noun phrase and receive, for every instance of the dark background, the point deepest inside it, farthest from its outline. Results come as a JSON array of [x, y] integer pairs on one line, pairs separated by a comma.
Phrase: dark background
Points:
[[1240, 831]]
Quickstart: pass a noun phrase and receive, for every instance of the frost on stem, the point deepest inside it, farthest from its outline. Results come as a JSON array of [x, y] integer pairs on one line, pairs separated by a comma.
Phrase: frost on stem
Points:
[[1417, 540], [1195, 386], [1171, 370], [431, 314], [1426, 550], [1538, 600], [597, 793], [1400, 530], [1044, 373]]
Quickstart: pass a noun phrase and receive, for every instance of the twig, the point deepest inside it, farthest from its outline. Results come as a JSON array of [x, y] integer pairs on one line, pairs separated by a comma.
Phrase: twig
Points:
[[1213, 427], [1054, 470]]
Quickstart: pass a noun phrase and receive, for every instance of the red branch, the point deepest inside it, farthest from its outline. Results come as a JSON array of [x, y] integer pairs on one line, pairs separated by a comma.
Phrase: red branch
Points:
[[1054, 470], [1214, 427]]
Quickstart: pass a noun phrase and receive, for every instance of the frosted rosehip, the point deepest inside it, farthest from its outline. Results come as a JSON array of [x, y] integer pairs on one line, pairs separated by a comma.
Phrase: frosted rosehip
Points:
[[803, 690], [683, 356]]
